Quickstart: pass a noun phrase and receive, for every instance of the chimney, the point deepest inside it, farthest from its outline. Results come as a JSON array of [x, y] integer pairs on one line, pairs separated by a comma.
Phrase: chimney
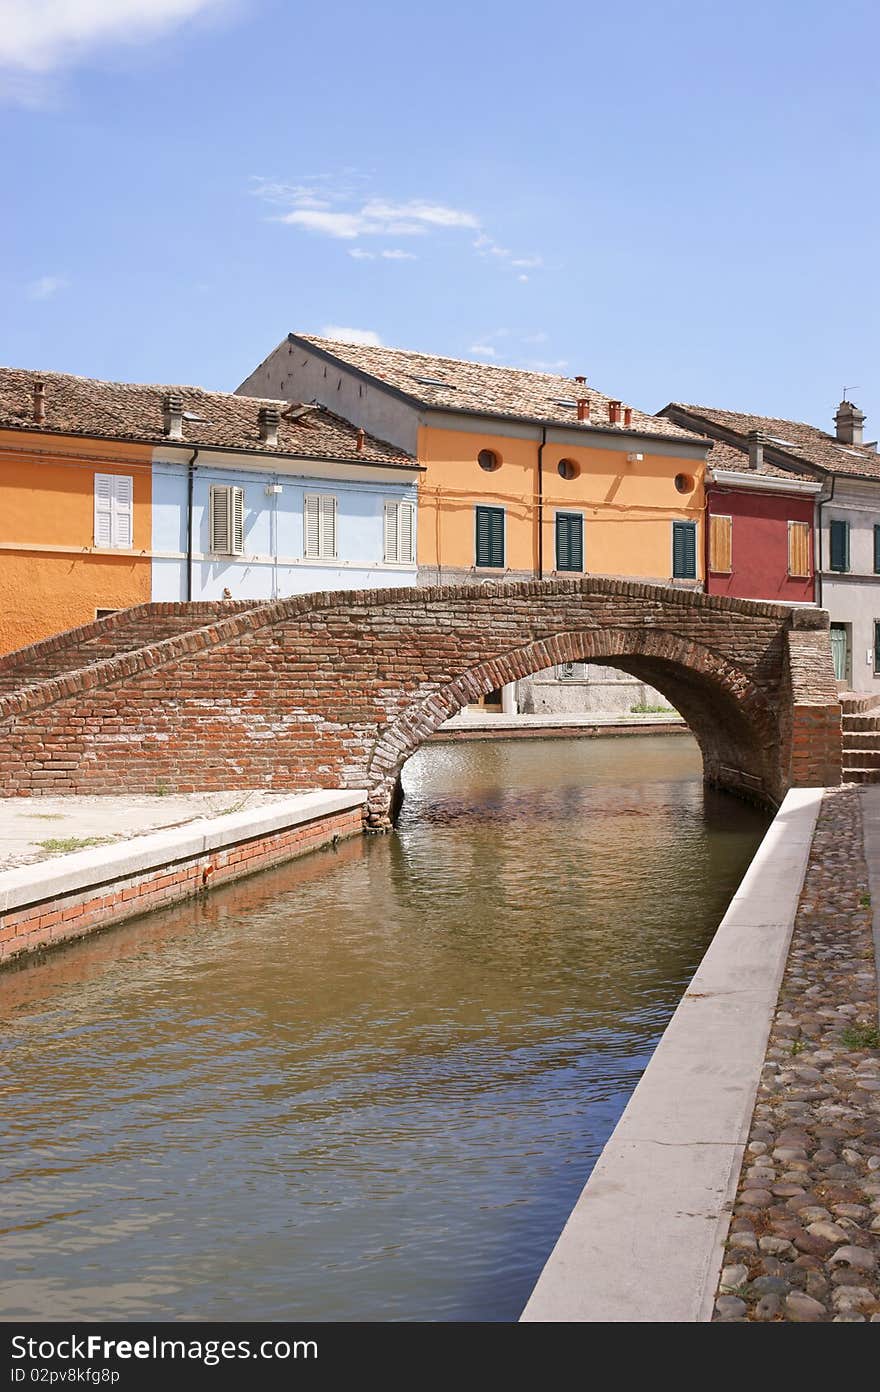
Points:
[[850, 422], [361, 437], [627, 415], [267, 418], [614, 412], [172, 409], [757, 440], [583, 404], [582, 380], [39, 402]]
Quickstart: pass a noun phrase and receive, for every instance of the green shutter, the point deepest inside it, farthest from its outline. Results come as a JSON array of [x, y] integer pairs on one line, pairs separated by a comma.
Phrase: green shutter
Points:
[[840, 545], [877, 550], [876, 647], [569, 541], [490, 537], [684, 550]]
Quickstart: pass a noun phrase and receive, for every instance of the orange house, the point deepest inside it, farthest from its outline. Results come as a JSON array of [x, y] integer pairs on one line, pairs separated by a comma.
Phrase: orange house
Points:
[[75, 522], [526, 473]]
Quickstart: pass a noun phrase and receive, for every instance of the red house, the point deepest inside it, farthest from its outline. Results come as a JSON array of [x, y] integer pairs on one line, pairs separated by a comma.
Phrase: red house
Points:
[[760, 520]]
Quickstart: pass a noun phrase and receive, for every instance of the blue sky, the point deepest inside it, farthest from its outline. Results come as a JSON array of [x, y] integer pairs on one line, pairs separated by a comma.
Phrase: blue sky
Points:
[[678, 200]]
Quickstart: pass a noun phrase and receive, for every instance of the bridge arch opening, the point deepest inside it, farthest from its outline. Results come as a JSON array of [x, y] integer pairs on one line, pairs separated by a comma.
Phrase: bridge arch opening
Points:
[[731, 719]]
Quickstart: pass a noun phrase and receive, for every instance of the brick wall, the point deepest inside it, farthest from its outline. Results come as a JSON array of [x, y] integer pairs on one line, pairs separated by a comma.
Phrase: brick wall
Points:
[[44, 924], [337, 690]]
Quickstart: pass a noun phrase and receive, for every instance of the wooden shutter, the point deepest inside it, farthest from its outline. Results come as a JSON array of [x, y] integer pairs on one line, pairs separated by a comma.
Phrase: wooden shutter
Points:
[[839, 545], [721, 544], [569, 541], [226, 520], [490, 537], [319, 526], [123, 510], [328, 526], [877, 550], [684, 550], [103, 509], [399, 533], [114, 510], [876, 647], [799, 548]]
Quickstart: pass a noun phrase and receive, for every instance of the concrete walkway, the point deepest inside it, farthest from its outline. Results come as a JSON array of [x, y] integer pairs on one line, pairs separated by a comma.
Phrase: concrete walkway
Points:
[[481, 720], [37, 828]]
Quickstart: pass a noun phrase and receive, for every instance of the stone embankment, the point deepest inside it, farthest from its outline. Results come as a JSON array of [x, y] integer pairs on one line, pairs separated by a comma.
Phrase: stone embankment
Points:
[[804, 1243]]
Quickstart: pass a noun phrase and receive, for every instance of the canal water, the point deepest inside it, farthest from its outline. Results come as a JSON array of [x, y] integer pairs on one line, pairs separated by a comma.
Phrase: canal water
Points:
[[372, 1083]]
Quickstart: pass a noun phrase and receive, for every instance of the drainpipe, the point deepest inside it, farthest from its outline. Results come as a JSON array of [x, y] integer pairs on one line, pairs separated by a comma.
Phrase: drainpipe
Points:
[[541, 502], [821, 501], [190, 478]]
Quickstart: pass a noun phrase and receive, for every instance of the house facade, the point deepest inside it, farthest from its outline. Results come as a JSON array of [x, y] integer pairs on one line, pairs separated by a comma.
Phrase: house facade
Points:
[[526, 475], [841, 569], [120, 493]]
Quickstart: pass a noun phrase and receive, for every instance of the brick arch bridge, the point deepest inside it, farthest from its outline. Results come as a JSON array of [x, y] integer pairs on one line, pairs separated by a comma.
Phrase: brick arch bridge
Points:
[[339, 689]]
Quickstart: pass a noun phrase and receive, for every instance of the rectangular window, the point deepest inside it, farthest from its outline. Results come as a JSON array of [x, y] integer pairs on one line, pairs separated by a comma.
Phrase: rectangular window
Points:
[[684, 550], [877, 550], [114, 511], [839, 545], [490, 537], [399, 533], [721, 544], [105, 613], [569, 541], [319, 526], [799, 549], [226, 520]]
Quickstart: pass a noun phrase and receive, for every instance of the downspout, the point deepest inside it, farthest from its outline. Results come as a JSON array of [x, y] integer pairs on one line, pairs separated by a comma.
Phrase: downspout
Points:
[[190, 479], [706, 517], [541, 502], [821, 503]]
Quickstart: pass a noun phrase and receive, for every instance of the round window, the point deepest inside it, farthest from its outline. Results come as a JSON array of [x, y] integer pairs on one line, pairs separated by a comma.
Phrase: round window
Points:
[[567, 469], [684, 483], [488, 460]]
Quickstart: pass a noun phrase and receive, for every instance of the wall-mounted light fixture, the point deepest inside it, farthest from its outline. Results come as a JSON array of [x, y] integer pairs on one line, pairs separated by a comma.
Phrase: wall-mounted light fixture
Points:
[[273, 489], [634, 458]]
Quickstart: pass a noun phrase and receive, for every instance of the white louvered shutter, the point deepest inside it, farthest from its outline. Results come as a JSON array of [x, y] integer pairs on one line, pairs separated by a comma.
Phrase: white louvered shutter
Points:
[[219, 520], [123, 511], [236, 521], [406, 546], [103, 510], [311, 526], [390, 534], [328, 526]]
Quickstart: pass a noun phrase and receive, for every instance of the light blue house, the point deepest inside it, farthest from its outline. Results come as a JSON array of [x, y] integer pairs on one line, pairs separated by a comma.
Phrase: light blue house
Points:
[[255, 499]]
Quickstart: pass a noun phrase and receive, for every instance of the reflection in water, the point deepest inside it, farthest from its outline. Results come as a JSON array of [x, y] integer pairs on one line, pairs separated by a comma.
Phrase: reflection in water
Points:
[[369, 1084]]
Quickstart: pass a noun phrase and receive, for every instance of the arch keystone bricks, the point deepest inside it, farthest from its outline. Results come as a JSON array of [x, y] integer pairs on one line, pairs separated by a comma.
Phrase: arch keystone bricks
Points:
[[337, 690]]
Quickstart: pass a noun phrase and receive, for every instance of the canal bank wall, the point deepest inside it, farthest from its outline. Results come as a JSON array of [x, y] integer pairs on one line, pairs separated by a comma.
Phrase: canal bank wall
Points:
[[69, 896], [646, 1239]]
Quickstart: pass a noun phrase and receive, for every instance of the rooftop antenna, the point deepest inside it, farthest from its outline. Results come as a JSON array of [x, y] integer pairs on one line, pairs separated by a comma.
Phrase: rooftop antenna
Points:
[[846, 389]]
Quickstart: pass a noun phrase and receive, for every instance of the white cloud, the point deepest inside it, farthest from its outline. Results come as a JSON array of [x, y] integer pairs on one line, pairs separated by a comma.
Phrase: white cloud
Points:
[[538, 365], [522, 277], [45, 287], [482, 350], [367, 337], [360, 255], [38, 36], [395, 254], [376, 218]]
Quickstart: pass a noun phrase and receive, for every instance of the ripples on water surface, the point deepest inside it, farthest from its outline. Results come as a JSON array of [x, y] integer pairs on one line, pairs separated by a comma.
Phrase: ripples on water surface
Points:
[[369, 1084]]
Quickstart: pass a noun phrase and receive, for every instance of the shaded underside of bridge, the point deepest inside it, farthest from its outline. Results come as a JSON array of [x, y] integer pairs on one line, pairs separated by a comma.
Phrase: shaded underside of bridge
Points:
[[339, 689]]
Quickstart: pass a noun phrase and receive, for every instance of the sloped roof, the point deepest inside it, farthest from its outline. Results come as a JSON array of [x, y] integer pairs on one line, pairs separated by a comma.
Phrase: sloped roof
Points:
[[724, 456], [458, 384], [222, 420], [796, 441]]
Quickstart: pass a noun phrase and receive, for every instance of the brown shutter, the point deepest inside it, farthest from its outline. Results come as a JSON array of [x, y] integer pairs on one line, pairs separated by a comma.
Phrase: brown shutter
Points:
[[799, 549], [720, 544]]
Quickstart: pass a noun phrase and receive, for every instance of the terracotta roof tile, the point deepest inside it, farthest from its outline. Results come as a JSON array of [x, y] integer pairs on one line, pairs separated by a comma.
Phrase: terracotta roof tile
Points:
[[457, 384], [789, 440], [134, 411], [724, 456]]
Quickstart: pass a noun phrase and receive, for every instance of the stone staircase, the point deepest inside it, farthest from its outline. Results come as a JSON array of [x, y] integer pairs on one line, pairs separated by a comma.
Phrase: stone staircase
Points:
[[861, 737]]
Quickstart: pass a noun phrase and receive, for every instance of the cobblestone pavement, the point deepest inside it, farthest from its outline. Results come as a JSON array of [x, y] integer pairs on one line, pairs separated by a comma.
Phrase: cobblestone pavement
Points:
[[804, 1243]]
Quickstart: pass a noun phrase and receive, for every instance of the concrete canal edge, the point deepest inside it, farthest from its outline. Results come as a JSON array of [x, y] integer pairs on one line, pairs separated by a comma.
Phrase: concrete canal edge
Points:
[[69, 896], [645, 1240]]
